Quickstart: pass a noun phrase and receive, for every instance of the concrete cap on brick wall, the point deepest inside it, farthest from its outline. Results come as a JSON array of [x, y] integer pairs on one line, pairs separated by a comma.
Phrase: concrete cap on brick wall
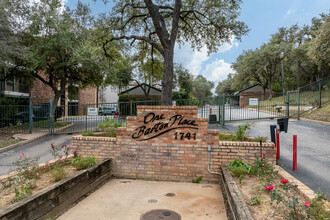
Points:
[[245, 144], [162, 107], [93, 138]]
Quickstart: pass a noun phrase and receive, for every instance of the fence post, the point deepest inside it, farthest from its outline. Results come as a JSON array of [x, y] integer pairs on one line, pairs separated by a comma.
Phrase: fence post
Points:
[[86, 117], [30, 116], [258, 107], [288, 105], [298, 103], [223, 110], [130, 107], [50, 116], [219, 109], [320, 91]]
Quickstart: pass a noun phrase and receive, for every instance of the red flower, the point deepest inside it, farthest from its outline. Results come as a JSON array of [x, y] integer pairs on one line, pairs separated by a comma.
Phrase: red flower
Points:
[[307, 204], [263, 154], [284, 181], [22, 153], [61, 157], [20, 156], [265, 166], [270, 187], [75, 149]]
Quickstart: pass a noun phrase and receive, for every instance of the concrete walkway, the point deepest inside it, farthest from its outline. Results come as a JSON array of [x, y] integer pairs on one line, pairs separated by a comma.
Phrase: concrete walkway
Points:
[[122, 199]]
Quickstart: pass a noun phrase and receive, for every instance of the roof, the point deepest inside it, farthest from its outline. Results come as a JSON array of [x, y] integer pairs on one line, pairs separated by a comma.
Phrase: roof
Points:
[[142, 84], [242, 90]]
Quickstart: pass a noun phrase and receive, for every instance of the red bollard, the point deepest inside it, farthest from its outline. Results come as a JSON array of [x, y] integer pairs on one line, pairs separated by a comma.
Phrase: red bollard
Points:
[[294, 152], [278, 143]]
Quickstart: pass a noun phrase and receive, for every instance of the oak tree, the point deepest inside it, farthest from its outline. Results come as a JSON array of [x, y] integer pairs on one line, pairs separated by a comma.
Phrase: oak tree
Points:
[[163, 23]]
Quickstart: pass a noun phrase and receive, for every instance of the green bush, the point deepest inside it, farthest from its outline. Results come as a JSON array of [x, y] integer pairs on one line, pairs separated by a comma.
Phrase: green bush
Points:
[[226, 136], [82, 163], [58, 173], [21, 194], [110, 132], [258, 139], [87, 133], [242, 131], [239, 171]]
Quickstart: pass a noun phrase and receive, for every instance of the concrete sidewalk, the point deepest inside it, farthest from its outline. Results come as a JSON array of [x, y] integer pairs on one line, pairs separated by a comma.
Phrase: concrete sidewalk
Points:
[[122, 199]]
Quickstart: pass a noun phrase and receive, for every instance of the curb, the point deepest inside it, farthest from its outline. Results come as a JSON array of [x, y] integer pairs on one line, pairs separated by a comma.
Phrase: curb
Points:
[[33, 139], [314, 121], [22, 143], [303, 190]]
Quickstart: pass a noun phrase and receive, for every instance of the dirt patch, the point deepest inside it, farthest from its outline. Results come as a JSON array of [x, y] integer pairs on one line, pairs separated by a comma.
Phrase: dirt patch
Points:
[[255, 187], [45, 179], [8, 139]]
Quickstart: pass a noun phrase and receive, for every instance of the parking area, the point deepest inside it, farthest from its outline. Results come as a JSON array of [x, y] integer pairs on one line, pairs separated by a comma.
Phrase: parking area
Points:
[[123, 199]]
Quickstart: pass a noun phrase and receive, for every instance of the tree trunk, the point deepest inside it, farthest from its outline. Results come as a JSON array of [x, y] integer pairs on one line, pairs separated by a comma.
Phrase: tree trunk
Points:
[[167, 82]]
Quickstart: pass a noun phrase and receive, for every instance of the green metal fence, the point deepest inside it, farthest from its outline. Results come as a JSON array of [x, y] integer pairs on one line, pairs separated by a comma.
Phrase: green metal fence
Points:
[[72, 118], [308, 97]]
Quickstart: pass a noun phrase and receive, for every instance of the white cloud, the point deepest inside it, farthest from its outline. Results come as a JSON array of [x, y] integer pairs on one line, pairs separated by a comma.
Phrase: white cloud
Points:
[[217, 70], [190, 59], [289, 12], [193, 59]]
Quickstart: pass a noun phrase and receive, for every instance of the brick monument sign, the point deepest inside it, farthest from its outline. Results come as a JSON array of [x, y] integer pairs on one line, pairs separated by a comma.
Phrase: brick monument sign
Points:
[[167, 143]]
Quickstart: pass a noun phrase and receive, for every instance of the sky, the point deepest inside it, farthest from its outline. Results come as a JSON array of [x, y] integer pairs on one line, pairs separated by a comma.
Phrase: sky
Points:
[[263, 17]]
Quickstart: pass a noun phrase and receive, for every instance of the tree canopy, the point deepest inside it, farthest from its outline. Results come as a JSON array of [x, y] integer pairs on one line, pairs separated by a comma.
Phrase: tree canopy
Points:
[[163, 23], [305, 60]]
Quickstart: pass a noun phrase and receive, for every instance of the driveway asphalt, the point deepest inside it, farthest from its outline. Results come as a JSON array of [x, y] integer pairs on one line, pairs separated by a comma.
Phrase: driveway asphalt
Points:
[[39, 148], [313, 149]]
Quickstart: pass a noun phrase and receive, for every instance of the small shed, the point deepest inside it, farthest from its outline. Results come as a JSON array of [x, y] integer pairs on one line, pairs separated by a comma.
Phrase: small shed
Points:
[[252, 93]]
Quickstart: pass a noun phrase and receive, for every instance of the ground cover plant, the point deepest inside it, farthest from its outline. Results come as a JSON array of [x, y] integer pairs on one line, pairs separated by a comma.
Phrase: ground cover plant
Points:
[[8, 139], [29, 178], [270, 197], [241, 134], [106, 128]]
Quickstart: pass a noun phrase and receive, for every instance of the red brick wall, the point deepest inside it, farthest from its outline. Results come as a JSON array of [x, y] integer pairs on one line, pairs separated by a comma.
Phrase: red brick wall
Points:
[[40, 90], [86, 96], [245, 96], [165, 157]]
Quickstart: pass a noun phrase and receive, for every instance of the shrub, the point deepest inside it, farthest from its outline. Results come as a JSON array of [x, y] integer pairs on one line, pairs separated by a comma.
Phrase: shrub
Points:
[[259, 138], [110, 132], [262, 166], [27, 166], [226, 136], [239, 168], [58, 173], [21, 194], [87, 133], [242, 131], [109, 123], [81, 163]]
